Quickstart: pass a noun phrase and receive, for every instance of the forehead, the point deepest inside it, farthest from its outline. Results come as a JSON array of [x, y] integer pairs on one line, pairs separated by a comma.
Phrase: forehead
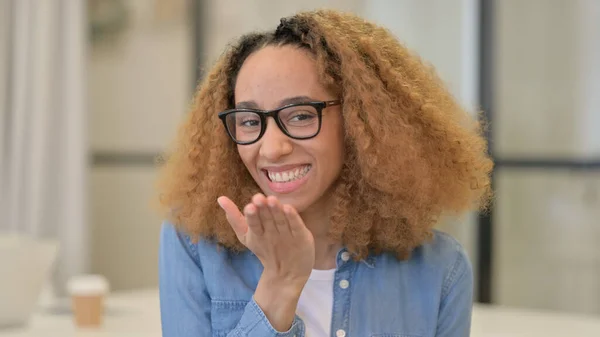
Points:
[[275, 73]]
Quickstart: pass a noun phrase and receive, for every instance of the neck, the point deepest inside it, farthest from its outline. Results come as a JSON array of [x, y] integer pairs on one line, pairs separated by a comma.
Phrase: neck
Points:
[[317, 221]]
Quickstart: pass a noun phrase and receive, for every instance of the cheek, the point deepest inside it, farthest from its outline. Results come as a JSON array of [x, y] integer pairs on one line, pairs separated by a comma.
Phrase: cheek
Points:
[[247, 157], [337, 141], [332, 150]]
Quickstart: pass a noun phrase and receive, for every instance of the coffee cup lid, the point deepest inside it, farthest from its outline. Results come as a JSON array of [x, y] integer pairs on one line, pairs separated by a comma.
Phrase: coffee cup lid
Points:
[[88, 285]]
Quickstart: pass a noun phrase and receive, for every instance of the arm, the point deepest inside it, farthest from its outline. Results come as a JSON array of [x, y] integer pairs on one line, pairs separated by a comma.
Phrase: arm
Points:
[[454, 319], [184, 300]]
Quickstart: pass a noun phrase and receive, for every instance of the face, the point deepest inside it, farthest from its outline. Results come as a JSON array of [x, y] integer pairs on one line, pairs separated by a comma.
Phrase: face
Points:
[[297, 172]]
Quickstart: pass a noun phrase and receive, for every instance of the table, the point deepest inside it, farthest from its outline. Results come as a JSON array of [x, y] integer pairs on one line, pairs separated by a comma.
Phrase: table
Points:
[[498, 321], [136, 314], [128, 314]]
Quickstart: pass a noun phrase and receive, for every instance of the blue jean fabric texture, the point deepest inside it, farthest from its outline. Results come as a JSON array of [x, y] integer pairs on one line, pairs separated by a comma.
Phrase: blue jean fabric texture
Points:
[[207, 290]]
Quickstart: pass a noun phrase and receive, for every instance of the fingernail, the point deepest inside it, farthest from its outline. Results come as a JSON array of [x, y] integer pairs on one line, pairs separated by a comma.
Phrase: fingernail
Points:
[[219, 202]]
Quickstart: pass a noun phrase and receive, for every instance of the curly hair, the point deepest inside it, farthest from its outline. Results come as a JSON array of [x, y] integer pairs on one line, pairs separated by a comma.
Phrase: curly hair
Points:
[[413, 154]]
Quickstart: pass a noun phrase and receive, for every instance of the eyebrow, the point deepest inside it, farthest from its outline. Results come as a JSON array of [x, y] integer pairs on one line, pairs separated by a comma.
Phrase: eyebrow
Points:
[[283, 102]]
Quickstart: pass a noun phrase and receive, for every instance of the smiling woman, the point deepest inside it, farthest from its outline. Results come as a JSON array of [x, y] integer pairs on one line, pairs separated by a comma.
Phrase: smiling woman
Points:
[[311, 140], [343, 151]]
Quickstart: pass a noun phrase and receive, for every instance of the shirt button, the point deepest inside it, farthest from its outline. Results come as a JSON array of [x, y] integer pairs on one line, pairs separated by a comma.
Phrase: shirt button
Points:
[[345, 256], [344, 284], [340, 333]]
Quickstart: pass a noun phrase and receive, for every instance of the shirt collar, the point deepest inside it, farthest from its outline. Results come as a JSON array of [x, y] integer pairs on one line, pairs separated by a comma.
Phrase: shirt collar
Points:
[[369, 261]]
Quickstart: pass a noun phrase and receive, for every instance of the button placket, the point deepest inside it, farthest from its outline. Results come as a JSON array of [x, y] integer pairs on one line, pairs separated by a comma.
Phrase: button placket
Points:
[[342, 294]]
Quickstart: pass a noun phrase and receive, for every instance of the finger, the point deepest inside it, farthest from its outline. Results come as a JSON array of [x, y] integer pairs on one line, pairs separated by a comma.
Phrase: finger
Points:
[[296, 224], [252, 219], [281, 221], [266, 218], [233, 215]]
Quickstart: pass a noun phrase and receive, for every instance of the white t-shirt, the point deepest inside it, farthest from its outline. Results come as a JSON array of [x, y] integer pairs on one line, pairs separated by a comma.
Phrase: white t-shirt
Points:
[[315, 305]]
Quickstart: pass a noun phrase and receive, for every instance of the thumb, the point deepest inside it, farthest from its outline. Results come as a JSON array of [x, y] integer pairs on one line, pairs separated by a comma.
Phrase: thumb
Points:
[[234, 216]]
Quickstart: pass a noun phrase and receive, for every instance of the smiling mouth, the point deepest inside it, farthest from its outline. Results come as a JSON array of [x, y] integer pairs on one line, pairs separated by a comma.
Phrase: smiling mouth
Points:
[[288, 176]]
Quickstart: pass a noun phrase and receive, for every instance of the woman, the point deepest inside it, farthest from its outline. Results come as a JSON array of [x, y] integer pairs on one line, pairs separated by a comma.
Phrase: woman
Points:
[[343, 151]]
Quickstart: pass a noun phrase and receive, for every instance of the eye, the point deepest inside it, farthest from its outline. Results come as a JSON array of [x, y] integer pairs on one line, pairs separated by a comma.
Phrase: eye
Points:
[[249, 123], [299, 117], [247, 120]]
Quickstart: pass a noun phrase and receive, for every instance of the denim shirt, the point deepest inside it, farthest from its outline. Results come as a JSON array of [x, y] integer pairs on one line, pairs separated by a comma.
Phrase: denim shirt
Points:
[[206, 290]]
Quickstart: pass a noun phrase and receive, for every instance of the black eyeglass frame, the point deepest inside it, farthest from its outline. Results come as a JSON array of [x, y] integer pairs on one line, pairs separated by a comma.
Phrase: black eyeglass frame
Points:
[[264, 114]]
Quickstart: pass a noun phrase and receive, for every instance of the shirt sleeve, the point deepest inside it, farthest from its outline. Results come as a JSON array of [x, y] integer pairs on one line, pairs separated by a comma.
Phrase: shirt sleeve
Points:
[[454, 319], [185, 304]]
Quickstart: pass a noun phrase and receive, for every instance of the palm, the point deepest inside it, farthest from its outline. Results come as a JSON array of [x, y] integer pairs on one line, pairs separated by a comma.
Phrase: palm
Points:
[[275, 233]]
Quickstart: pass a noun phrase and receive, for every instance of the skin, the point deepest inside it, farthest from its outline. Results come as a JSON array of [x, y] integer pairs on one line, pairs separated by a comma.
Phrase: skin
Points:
[[287, 231]]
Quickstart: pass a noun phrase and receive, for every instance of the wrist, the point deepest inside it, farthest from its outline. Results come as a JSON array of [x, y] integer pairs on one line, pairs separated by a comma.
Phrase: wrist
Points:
[[282, 292], [278, 300], [288, 283]]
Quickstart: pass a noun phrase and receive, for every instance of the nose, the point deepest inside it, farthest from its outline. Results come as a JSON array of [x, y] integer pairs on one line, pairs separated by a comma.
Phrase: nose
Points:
[[274, 143]]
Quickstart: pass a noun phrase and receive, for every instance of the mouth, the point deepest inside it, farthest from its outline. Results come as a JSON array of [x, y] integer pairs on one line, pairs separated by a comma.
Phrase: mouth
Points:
[[289, 175], [289, 180]]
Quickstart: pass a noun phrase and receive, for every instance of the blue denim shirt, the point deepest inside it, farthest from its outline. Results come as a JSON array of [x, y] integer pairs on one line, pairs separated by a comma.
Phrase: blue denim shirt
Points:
[[208, 291]]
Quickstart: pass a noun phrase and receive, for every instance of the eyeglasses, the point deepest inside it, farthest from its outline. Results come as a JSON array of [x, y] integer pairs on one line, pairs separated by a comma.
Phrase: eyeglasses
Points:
[[297, 121]]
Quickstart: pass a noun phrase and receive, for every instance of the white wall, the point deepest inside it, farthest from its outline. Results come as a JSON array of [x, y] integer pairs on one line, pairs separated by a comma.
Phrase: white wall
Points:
[[140, 85], [139, 88], [444, 33], [547, 253], [227, 19], [545, 68]]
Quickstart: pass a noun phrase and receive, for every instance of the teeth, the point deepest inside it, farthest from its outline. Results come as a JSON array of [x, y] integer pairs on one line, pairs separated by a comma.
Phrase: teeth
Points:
[[283, 177]]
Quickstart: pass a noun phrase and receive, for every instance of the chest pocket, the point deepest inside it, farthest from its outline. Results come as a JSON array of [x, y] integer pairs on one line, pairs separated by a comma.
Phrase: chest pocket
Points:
[[225, 315]]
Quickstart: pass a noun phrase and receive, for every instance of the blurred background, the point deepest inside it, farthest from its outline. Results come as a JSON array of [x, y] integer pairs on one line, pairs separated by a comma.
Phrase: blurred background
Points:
[[91, 91]]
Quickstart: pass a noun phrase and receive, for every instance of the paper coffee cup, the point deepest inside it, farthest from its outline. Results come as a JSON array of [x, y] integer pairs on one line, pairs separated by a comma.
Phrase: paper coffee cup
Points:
[[87, 299]]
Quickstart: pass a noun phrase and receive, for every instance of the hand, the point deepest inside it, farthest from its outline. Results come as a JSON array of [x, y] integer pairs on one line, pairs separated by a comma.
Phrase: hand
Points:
[[276, 234]]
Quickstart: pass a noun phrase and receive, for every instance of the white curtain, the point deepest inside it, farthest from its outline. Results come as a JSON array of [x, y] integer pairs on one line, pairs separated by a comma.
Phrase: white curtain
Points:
[[43, 136]]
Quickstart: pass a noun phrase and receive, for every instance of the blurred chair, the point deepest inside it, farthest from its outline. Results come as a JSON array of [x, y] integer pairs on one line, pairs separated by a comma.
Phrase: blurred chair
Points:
[[26, 265]]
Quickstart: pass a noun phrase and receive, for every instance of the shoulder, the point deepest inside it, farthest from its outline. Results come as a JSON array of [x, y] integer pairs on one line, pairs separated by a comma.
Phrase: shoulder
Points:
[[172, 237], [441, 249], [441, 261], [202, 249], [444, 253]]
